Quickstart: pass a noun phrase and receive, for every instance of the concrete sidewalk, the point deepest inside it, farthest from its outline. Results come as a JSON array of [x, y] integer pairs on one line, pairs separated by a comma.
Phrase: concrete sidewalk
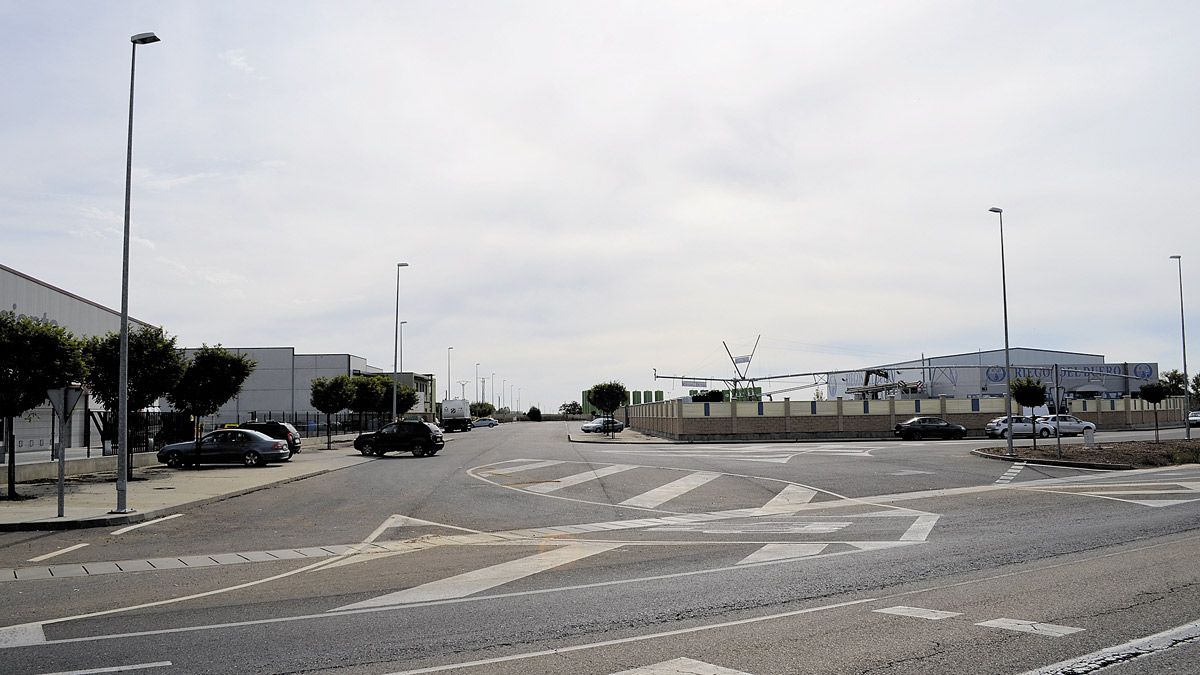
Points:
[[158, 491]]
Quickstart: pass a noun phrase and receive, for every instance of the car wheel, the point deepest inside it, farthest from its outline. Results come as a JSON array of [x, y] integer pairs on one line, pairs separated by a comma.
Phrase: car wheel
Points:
[[914, 435], [366, 448], [1004, 434], [960, 435], [252, 458], [418, 450], [175, 460], [1044, 433]]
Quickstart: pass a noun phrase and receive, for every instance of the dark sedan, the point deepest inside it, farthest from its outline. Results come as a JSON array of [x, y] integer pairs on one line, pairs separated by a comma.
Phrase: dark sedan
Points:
[[929, 427], [419, 438], [252, 448]]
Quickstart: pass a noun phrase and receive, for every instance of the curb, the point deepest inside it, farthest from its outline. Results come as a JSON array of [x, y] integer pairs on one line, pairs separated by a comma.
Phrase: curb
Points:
[[617, 442], [141, 516], [1055, 462]]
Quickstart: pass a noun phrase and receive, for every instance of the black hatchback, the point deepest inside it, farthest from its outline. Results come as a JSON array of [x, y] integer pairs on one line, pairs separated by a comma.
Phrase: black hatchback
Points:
[[929, 427], [281, 430], [419, 438]]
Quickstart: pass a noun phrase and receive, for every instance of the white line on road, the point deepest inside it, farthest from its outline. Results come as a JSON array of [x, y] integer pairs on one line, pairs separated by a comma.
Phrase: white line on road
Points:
[[682, 666], [1134, 649], [60, 551], [123, 530], [918, 612], [920, 528], [113, 669], [477, 581], [1034, 627], [578, 478], [665, 493], [789, 500], [523, 467]]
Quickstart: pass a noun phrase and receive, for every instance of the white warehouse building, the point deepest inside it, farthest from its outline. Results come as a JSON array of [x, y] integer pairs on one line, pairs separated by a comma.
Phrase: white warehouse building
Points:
[[981, 374]]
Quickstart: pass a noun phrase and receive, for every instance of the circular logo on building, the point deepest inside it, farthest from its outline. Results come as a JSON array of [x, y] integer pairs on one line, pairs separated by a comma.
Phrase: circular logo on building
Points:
[[1143, 371], [995, 374]]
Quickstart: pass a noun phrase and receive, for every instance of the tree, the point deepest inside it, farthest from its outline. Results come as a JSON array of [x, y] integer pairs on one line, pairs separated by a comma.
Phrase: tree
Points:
[[213, 376], [714, 396], [1195, 393], [406, 398], [608, 396], [482, 409], [570, 408], [370, 395], [534, 414], [1029, 392], [155, 366], [35, 356], [331, 395], [1175, 382], [1154, 392]]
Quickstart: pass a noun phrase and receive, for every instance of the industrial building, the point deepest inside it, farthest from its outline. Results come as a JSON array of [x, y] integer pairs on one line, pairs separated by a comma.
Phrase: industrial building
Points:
[[981, 374]]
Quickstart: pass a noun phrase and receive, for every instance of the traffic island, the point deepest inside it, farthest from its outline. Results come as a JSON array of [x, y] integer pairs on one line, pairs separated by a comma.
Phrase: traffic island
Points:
[[1118, 455]]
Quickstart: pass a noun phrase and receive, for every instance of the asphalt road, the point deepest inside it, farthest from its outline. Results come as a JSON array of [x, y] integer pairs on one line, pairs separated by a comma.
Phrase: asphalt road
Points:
[[513, 551]]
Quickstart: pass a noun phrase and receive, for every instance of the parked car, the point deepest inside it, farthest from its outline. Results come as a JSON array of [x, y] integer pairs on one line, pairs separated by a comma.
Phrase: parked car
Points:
[[281, 430], [603, 425], [929, 427], [419, 438], [485, 422], [1194, 418], [1067, 425], [1022, 426], [252, 448]]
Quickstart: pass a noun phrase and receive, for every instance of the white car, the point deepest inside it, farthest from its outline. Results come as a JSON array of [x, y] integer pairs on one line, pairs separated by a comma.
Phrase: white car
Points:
[[1194, 418], [1022, 426], [1067, 425]]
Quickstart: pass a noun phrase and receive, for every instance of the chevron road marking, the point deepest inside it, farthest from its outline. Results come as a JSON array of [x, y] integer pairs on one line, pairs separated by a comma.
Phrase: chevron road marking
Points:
[[681, 666], [665, 493], [783, 552], [578, 478], [477, 581]]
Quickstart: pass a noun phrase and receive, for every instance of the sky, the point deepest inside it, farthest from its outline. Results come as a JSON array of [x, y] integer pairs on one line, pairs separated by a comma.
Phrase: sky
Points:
[[590, 191]]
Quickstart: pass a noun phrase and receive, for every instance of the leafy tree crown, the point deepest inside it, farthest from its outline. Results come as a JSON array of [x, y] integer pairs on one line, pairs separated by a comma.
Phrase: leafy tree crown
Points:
[[1029, 392], [1154, 392], [213, 376], [35, 356], [608, 396], [155, 366], [331, 395]]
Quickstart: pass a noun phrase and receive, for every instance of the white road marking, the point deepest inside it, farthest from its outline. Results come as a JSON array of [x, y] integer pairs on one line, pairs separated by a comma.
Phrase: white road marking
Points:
[[681, 666], [790, 497], [1011, 473], [523, 467], [920, 529], [123, 530], [910, 472], [22, 635], [1034, 627], [1134, 649], [665, 493], [113, 669], [1159, 503], [635, 638], [60, 551], [783, 552], [578, 478], [919, 612], [484, 579]]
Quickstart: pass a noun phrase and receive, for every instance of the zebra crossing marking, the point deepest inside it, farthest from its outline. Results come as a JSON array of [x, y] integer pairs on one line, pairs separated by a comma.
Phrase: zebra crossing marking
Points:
[[586, 476], [665, 493], [1011, 473], [1124, 491]]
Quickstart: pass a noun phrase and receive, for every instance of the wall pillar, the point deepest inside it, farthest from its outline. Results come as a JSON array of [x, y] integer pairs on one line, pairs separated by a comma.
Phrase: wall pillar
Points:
[[892, 412], [732, 415], [1128, 411], [941, 405], [840, 425], [787, 413]]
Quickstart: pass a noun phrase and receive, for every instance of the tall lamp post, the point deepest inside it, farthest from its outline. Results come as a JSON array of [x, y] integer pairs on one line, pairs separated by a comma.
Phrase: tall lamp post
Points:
[[448, 393], [477, 382], [396, 342], [1187, 396], [1007, 363], [123, 367]]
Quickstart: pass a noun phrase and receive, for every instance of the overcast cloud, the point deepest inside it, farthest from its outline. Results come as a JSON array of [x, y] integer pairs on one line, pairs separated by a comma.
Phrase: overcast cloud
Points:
[[591, 190]]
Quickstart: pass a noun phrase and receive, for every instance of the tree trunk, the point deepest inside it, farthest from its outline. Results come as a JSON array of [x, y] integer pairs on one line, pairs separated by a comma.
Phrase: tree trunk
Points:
[[1155, 422], [10, 447], [328, 433]]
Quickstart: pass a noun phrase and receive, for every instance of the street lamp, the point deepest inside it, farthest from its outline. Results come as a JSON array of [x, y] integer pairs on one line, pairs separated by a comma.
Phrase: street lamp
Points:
[[123, 467], [477, 382], [396, 342], [1187, 397], [448, 349], [1007, 364]]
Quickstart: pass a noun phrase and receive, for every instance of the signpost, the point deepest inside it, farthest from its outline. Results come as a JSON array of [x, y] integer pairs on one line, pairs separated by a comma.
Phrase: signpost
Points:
[[63, 401]]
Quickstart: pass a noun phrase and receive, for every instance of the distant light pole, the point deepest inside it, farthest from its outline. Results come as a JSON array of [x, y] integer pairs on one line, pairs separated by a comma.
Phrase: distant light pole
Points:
[[396, 343], [448, 394], [123, 467], [1187, 396], [493, 381], [477, 382], [503, 388], [1007, 363]]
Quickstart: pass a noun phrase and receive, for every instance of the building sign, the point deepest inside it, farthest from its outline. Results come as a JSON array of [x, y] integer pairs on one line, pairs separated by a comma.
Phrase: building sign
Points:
[[694, 383], [1078, 375]]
